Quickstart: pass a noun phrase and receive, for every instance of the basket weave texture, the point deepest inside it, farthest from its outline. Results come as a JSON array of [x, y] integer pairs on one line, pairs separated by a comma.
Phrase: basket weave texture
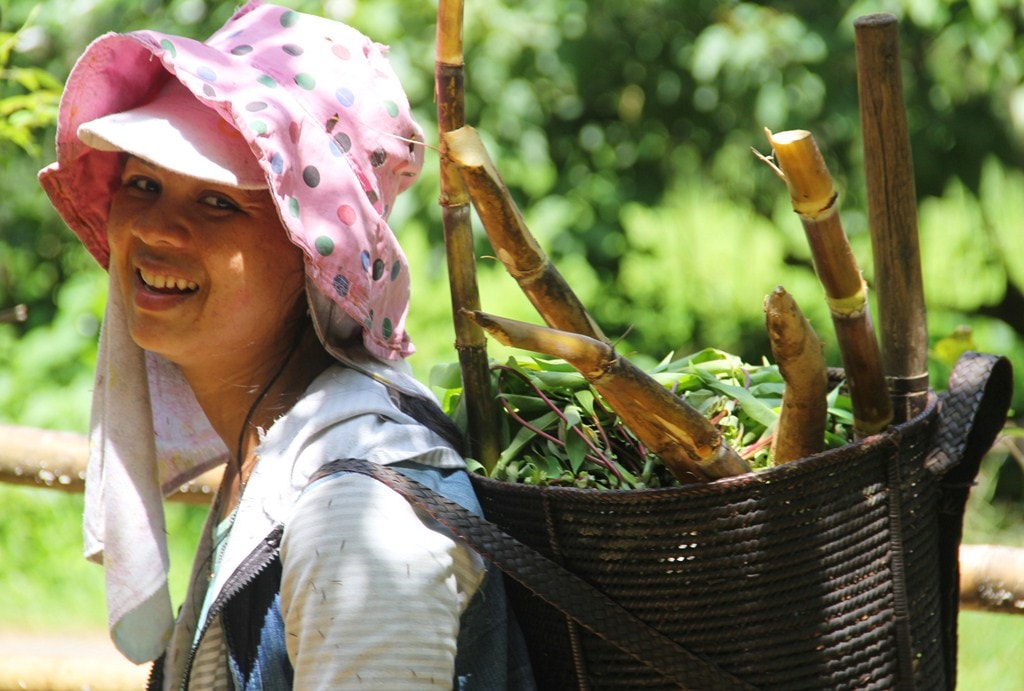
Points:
[[834, 571]]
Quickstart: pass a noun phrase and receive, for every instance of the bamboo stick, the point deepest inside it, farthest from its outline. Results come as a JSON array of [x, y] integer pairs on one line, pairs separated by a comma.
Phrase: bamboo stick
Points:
[[13, 315], [689, 445], [56, 460], [892, 213], [814, 199], [470, 342], [798, 353], [992, 578], [513, 242], [990, 575]]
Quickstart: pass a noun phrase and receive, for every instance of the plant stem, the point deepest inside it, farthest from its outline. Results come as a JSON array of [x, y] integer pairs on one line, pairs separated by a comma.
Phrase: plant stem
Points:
[[513, 242]]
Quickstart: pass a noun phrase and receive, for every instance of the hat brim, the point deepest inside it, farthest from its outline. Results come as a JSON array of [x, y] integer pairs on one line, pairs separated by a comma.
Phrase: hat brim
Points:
[[177, 132]]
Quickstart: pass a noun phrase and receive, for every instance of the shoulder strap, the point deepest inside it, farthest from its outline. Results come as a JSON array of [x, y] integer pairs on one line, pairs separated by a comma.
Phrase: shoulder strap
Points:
[[560, 588], [972, 411]]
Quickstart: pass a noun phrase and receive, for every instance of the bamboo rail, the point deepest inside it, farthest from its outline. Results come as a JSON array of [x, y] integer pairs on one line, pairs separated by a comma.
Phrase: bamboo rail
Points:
[[56, 460], [992, 578], [990, 575]]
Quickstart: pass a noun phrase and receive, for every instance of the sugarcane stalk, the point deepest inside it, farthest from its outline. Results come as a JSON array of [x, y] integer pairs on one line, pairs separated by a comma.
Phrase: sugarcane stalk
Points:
[[815, 200], [892, 213], [798, 352], [470, 342], [686, 441], [514, 244]]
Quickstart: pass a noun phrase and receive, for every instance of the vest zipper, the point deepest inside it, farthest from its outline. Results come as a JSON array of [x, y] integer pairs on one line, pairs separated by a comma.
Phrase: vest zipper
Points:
[[248, 569]]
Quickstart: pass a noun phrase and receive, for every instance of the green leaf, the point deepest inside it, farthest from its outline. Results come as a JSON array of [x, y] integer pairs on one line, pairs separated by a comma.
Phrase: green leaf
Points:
[[525, 435], [586, 399], [446, 375], [576, 449], [572, 416], [525, 404]]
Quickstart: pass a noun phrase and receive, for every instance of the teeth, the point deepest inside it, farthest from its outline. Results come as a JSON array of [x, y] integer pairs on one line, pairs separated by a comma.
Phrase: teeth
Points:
[[161, 281]]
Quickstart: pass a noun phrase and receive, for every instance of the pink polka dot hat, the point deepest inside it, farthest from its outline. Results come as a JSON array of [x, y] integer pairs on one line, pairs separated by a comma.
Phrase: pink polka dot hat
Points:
[[324, 116]]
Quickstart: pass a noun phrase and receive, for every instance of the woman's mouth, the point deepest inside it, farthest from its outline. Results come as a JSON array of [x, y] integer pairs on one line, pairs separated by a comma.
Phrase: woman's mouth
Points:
[[166, 284]]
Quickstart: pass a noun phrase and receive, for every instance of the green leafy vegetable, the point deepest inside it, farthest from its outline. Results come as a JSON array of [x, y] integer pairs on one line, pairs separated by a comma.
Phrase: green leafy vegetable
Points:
[[557, 430]]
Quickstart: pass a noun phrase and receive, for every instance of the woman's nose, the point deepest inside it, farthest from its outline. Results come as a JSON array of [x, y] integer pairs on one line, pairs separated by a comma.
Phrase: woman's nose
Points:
[[161, 223]]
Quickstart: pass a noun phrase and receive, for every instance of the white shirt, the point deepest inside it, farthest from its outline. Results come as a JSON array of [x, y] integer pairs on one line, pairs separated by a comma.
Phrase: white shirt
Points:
[[370, 592]]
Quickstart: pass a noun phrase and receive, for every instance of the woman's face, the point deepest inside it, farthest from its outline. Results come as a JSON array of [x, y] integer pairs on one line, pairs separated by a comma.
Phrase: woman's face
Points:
[[206, 271]]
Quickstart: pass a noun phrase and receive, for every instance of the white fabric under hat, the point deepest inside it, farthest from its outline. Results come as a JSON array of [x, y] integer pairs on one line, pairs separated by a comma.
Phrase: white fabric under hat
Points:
[[136, 458]]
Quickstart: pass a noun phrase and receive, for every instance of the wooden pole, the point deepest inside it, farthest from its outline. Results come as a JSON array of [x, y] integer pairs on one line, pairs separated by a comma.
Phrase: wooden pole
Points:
[[892, 214], [992, 578], [56, 460], [470, 341]]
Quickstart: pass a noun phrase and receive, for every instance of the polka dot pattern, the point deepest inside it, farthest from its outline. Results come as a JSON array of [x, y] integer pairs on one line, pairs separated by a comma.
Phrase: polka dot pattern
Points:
[[347, 215], [324, 245], [298, 88], [311, 176], [345, 97]]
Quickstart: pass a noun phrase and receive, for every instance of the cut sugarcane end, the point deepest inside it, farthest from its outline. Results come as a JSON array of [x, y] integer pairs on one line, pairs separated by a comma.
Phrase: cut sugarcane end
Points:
[[810, 184], [466, 149], [724, 463], [590, 356]]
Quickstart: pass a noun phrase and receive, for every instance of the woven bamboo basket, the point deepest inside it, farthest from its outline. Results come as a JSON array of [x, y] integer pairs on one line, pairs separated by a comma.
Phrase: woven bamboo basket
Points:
[[835, 571]]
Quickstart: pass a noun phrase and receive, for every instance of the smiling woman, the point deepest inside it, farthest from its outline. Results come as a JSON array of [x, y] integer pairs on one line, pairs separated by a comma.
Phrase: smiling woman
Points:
[[203, 268], [238, 193]]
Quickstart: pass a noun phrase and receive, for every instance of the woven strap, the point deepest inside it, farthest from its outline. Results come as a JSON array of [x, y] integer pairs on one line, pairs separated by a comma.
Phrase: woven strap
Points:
[[560, 588], [972, 411]]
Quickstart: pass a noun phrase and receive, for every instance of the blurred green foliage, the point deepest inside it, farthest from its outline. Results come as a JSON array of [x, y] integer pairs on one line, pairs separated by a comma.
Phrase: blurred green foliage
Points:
[[34, 105], [624, 130]]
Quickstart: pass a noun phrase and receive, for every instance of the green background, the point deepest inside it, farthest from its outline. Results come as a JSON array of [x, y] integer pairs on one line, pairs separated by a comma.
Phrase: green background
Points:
[[624, 130]]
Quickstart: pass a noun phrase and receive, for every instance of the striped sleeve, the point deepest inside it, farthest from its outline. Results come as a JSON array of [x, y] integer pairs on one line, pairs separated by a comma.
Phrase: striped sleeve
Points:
[[371, 596]]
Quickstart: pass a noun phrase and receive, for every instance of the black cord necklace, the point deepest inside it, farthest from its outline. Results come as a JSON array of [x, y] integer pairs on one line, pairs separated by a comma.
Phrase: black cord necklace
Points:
[[239, 459]]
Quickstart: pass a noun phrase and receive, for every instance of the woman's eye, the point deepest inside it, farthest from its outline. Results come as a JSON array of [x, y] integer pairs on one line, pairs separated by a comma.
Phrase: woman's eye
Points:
[[219, 202], [143, 184]]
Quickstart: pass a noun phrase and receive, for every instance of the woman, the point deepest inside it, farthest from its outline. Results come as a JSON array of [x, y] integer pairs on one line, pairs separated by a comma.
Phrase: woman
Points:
[[238, 191]]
